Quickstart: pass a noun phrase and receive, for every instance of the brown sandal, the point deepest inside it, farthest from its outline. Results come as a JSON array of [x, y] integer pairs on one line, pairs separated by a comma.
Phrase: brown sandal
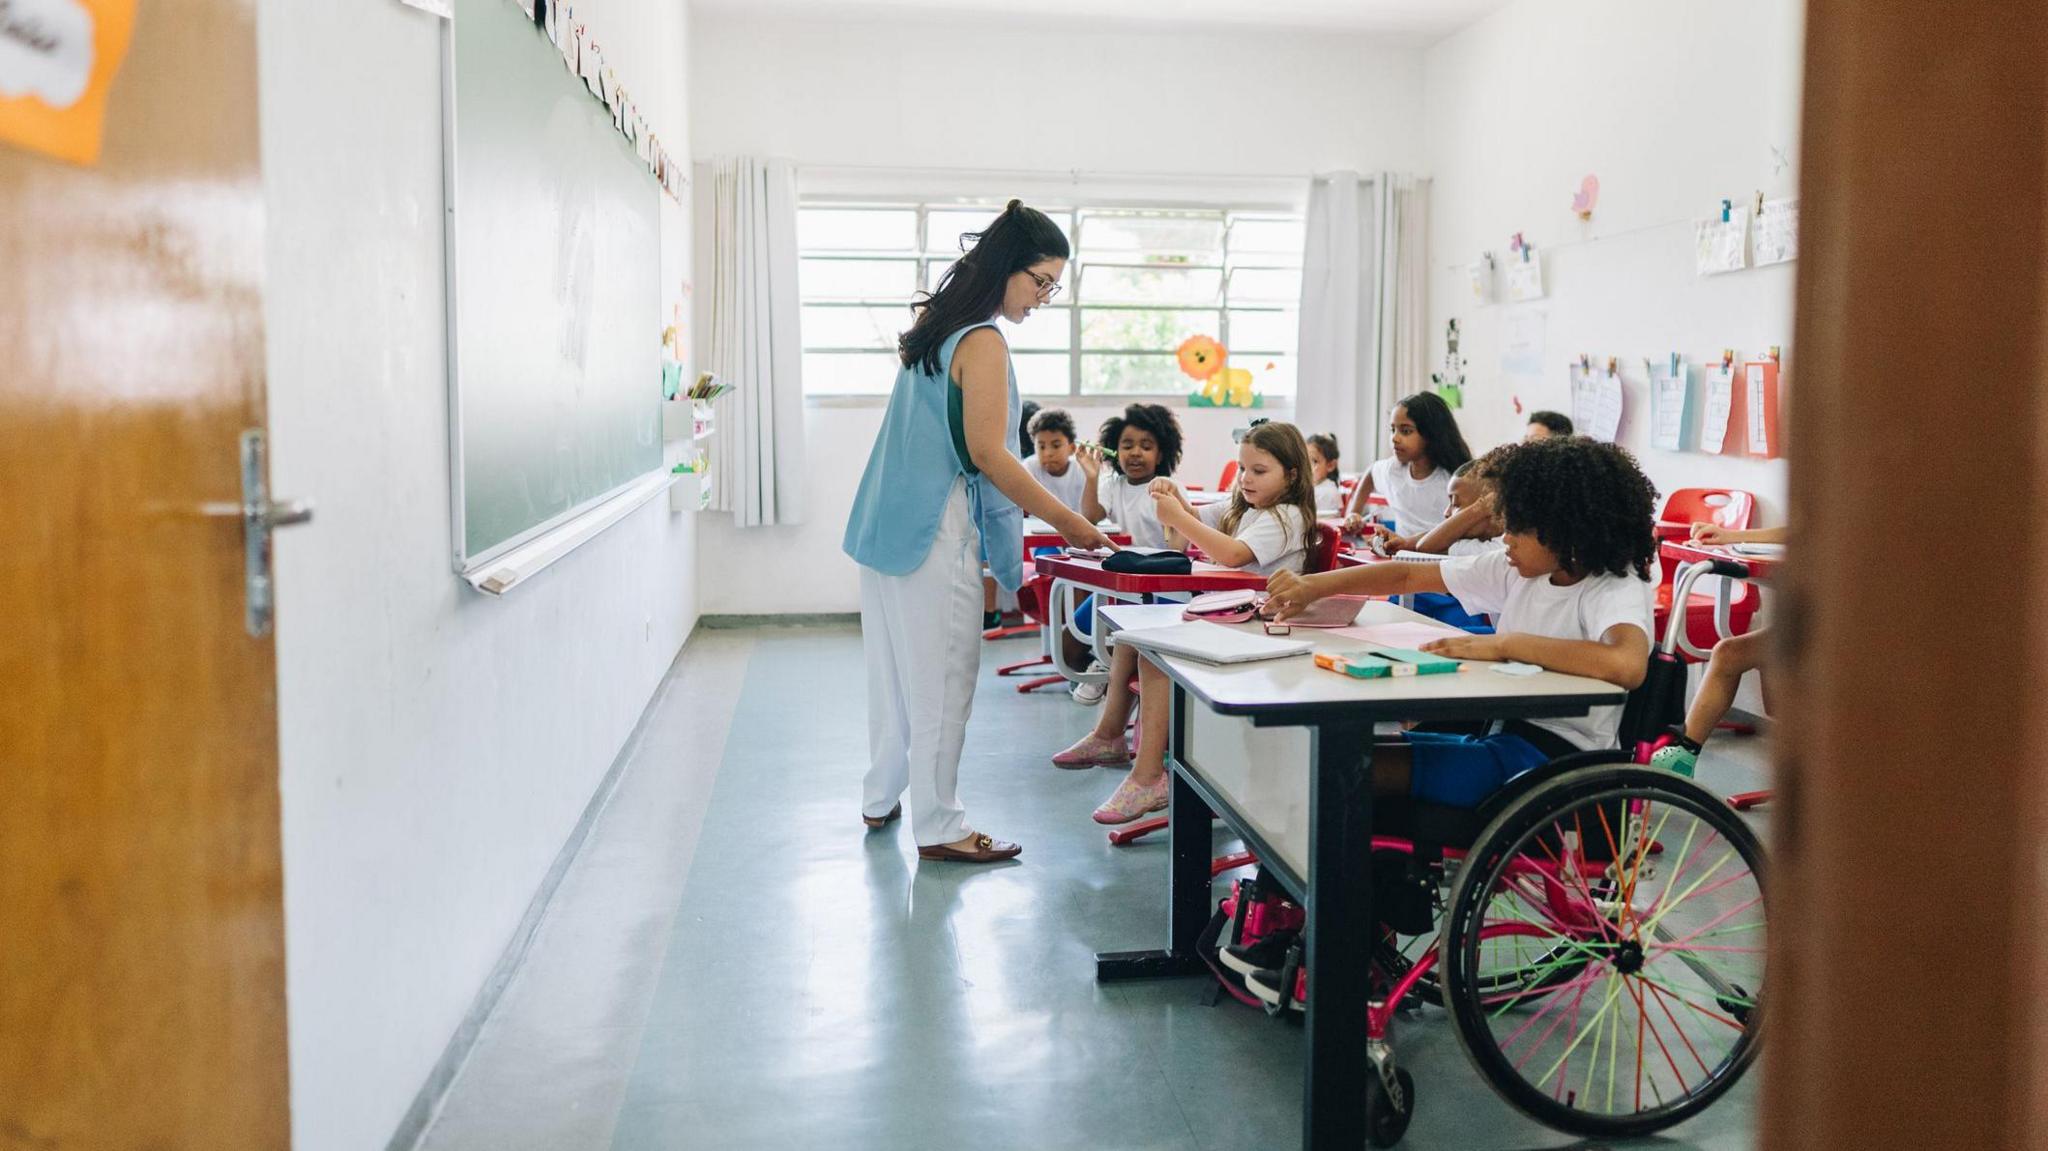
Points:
[[876, 822], [986, 850]]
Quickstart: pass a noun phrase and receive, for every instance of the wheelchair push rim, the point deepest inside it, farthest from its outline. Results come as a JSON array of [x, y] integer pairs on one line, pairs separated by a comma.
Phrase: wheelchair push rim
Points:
[[1662, 1009]]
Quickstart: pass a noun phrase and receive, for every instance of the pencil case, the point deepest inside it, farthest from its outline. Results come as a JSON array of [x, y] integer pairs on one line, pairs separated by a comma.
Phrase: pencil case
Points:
[[1361, 665]]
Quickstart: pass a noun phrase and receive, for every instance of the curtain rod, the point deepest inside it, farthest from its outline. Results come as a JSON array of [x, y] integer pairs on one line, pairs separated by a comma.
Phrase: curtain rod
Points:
[[1072, 175]]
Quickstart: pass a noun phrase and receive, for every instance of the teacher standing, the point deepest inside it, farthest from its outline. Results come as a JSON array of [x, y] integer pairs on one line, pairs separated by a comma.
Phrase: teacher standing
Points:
[[941, 488]]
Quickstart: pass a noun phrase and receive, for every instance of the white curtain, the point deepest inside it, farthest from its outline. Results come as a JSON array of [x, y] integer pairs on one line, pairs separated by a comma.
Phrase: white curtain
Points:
[[1364, 307], [752, 341]]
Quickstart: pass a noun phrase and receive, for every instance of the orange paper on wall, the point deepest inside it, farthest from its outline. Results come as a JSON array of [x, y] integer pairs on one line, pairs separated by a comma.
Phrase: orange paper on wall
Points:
[[57, 62], [1757, 407]]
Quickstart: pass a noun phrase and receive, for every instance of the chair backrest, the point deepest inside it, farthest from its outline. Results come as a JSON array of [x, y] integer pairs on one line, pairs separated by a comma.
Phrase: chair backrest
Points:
[[1228, 477], [1727, 507], [1657, 703], [1322, 550]]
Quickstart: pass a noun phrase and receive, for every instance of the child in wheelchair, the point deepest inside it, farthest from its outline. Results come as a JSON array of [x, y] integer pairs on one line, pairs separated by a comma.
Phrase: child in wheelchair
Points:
[[1571, 591]]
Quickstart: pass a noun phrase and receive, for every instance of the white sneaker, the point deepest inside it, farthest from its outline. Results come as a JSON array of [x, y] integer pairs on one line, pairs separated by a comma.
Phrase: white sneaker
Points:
[[1090, 694]]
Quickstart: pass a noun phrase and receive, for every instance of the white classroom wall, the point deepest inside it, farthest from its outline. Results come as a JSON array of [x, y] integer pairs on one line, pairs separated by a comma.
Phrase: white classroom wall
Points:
[[1673, 105], [437, 746], [1022, 96]]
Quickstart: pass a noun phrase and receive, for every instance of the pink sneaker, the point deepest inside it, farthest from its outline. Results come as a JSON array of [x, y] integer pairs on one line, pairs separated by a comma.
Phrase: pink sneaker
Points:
[[1131, 800], [1094, 751]]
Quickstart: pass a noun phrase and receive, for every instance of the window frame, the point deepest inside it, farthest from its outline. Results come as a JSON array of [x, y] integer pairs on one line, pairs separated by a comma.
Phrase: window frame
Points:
[[925, 259]]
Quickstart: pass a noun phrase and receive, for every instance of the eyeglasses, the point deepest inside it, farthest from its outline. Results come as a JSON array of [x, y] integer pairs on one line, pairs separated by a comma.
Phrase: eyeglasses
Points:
[[1047, 286]]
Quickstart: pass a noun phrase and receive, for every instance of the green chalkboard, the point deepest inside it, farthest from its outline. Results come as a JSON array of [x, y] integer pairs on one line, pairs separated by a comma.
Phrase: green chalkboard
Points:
[[554, 309]]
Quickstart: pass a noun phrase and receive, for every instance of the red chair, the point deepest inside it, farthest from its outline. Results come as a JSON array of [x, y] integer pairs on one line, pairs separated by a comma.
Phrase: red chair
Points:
[[1322, 553], [1729, 508], [1031, 599], [1228, 477]]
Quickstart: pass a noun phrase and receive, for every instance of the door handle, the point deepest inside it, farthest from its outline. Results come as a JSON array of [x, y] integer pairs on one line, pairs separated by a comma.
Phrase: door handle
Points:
[[259, 515]]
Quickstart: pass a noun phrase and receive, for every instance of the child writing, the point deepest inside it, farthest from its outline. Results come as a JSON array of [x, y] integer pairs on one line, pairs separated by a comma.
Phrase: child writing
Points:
[[1266, 526], [1322, 463], [1052, 462], [1416, 479], [1572, 592], [1142, 446], [1730, 659]]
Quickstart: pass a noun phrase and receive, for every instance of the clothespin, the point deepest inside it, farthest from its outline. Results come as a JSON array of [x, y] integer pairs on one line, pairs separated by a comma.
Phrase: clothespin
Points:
[[1612, 366], [1585, 362], [1727, 206], [1526, 249], [1774, 353], [1759, 202], [1674, 363], [1727, 357]]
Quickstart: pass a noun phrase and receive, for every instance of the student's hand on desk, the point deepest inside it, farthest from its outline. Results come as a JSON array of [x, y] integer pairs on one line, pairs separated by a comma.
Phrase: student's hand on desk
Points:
[[1391, 543], [1354, 524], [1706, 533], [1288, 595], [1467, 647]]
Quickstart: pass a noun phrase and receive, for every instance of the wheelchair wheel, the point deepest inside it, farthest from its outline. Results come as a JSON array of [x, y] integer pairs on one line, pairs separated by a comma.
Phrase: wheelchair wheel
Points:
[[1641, 1005]]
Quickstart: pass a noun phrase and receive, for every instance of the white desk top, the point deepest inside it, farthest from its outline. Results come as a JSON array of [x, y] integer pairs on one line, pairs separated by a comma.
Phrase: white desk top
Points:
[[1294, 690]]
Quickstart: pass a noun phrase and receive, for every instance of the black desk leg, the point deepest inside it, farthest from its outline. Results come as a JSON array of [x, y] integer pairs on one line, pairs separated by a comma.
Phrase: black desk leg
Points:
[[1339, 940], [1188, 826]]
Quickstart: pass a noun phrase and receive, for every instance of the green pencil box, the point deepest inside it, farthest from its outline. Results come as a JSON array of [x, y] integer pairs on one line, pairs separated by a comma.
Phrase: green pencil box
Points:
[[1423, 662]]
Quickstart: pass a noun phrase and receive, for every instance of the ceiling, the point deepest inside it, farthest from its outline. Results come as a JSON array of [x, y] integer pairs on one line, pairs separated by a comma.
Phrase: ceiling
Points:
[[1423, 20]]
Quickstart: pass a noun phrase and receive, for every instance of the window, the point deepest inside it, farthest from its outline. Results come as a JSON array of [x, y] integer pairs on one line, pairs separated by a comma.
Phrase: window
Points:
[[1141, 281]]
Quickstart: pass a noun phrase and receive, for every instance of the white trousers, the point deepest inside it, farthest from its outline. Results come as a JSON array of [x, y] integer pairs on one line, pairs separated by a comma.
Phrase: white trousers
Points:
[[922, 636]]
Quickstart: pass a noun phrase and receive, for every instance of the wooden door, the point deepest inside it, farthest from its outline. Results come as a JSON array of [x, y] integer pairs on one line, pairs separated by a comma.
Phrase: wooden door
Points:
[[141, 925], [1907, 939]]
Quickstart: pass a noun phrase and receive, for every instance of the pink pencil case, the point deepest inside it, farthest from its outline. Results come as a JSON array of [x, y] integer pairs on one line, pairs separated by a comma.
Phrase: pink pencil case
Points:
[[1224, 606]]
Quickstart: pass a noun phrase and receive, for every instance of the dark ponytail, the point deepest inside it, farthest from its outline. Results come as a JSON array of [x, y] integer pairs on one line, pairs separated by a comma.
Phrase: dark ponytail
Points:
[[972, 289]]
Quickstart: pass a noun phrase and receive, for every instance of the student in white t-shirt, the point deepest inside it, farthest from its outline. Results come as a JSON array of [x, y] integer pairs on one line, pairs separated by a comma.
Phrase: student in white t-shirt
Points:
[[1322, 466], [1416, 479], [1140, 447], [1267, 525], [1471, 520], [1571, 591], [1052, 461]]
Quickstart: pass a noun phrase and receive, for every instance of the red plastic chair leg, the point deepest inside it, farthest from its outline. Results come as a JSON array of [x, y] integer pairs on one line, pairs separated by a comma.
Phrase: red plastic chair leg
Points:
[[1132, 832], [1018, 668], [1010, 632], [1231, 862], [1749, 799], [1737, 728], [1031, 685]]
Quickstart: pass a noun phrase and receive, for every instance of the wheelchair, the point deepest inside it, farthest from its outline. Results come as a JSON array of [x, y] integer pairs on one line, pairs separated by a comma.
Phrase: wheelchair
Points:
[[1595, 930]]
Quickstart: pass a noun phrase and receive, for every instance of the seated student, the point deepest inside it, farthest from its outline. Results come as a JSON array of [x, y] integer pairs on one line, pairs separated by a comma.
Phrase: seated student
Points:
[[995, 601], [1322, 462], [1471, 521], [1142, 446], [1572, 591], [1266, 526], [1731, 657], [1052, 462], [1416, 479], [1543, 425]]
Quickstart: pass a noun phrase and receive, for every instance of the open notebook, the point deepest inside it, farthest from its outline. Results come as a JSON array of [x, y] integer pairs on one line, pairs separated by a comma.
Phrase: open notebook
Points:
[[1212, 643]]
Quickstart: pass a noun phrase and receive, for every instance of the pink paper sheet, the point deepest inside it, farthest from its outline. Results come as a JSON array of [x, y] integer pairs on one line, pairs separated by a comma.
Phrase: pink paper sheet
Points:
[[1405, 634]]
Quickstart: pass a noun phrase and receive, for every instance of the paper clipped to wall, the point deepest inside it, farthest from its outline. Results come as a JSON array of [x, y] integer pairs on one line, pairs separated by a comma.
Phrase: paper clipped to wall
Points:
[[1760, 406], [1720, 401], [1525, 276], [1777, 232], [1670, 404], [1596, 399], [1720, 245]]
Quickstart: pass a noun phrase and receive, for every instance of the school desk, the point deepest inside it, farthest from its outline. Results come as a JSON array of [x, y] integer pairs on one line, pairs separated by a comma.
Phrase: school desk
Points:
[[1074, 579], [1282, 751]]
